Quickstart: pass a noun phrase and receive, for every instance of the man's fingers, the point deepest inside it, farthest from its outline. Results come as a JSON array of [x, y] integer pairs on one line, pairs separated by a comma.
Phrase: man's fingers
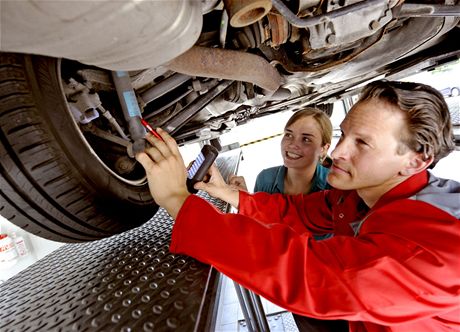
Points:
[[169, 141], [151, 139], [155, 154], [160, 145], [144, 160], [167, 146], [200, 186]]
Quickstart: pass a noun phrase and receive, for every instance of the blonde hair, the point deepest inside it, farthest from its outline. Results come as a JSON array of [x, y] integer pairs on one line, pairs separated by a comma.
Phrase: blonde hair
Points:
[[320, 117]]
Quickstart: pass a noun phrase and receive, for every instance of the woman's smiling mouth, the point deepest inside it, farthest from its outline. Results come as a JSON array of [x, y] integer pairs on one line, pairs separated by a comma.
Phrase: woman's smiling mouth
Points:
[[292, 155]]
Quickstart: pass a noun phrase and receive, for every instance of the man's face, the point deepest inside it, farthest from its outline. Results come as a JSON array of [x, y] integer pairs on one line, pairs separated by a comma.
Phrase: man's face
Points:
[[365, 157]]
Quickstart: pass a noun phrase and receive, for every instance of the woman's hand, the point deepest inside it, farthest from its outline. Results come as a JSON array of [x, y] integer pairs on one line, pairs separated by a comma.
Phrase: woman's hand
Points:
[[237, 182], [217, 187], [166, 173]]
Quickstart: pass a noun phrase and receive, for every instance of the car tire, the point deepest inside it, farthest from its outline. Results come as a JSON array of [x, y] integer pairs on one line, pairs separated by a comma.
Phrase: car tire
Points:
[[52, 184], [454, 92]]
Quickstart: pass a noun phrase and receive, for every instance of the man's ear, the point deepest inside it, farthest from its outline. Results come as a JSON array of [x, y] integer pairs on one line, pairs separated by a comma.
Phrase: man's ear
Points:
[[415, 164]]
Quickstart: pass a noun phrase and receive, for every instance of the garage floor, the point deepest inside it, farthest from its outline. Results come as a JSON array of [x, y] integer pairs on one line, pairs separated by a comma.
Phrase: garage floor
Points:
[[129, 282], [230, 317]]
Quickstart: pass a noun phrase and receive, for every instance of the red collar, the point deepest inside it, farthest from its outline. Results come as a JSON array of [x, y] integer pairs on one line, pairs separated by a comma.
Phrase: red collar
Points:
[[405, 189]]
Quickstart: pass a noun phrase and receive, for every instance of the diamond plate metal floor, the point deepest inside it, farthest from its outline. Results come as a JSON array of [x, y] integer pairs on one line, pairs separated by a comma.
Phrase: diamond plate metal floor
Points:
[[128, 282], [278, 322]]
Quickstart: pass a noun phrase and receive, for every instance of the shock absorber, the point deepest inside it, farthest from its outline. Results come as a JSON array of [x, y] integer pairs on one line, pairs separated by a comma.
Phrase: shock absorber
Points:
[[131, 109]]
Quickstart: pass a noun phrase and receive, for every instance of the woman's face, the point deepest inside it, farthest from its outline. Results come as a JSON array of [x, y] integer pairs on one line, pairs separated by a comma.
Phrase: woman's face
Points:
[[301, 143]]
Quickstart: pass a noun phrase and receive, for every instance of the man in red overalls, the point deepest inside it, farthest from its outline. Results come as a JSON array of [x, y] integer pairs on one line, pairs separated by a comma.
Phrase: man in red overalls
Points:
[[394, 262]]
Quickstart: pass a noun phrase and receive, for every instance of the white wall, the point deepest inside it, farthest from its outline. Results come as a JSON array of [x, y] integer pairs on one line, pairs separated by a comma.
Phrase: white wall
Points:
[[37, 249]]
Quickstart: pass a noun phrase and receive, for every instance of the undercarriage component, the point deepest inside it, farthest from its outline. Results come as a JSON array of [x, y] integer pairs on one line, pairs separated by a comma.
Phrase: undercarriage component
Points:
[[323, 18], [113, 122], [128, 145], [227, 64], [279, 29], [340, 25], [307, 7], [428, 10], [163, 87], [130, 108], [85, 105], [245, 12], [180, 119], [82, 103]]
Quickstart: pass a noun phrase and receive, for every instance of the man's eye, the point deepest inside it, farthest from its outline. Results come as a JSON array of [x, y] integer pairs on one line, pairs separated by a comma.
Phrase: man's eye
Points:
[[360, 141]]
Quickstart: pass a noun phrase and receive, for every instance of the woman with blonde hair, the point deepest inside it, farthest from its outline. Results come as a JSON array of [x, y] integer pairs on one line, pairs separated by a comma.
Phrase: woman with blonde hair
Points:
[[307, 138]]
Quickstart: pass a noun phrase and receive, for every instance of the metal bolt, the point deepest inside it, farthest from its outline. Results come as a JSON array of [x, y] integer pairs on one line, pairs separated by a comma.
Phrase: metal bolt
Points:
[[123, 165]]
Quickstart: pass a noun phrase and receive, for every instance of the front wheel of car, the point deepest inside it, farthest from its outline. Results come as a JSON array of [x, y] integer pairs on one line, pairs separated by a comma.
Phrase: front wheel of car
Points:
[[52, 182]]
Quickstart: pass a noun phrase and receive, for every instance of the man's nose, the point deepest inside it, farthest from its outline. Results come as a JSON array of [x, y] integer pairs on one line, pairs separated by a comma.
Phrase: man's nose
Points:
[[341, 150]]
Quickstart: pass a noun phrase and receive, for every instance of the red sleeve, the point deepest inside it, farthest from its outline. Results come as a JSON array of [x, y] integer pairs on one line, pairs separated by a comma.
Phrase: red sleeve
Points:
[[379, 276], [301, 212]]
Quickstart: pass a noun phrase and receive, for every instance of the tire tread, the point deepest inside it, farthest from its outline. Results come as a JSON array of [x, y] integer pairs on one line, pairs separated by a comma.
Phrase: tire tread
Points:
[[19, 118]]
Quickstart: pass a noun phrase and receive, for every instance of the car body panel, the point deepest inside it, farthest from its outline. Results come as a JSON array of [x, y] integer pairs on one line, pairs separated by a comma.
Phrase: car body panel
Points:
[[115, 35]]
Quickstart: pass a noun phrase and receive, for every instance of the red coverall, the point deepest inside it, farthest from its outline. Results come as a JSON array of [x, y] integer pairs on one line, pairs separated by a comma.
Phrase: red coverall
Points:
[[395, 267]]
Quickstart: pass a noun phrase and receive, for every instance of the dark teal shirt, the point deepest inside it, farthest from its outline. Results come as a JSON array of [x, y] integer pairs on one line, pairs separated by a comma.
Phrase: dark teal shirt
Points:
[[271, 180]]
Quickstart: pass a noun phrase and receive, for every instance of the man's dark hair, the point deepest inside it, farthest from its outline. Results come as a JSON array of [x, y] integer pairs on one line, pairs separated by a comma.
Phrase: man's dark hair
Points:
[[429, 127]]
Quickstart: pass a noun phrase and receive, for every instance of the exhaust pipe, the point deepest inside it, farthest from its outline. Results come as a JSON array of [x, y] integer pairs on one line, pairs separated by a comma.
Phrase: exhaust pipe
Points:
[[227, 64]]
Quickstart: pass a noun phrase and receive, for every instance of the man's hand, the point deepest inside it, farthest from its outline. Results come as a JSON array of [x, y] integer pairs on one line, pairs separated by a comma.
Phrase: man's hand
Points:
[[237, 182], [217, 187], [166, 173]]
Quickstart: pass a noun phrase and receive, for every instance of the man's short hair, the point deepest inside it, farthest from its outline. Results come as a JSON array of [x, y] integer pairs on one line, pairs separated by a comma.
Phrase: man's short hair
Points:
[[429, 127]]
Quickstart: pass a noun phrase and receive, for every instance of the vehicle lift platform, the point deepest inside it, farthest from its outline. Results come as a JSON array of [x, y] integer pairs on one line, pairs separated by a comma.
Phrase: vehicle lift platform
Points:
[[128, 282]]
